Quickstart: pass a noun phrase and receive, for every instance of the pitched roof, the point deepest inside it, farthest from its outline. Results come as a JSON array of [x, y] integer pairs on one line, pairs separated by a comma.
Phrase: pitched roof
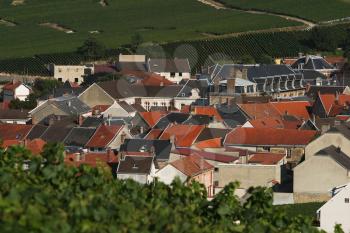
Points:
[[336, 154], [206, 155], [185, 135], [327, 101], [12, 85], [13, 114], [104, 135], [265, 158], [60, 128], [172, 117], [194, 84], [79, 136], [147, 78], [91, 159], [169, 65], [92, 122], [267, 123], [208, 110], [152, 118], [100, 108], [209, 133], [153, 134], [13, 131], [210, 143], [269, 137], [295, 108], [135, 165], [161, 147], [197, 120], [192, 165], [260, 110], [36, 146], [232, 115]]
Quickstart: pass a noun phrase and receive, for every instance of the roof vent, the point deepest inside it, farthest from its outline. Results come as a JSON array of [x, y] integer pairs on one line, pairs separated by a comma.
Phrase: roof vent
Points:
[[134, 166]]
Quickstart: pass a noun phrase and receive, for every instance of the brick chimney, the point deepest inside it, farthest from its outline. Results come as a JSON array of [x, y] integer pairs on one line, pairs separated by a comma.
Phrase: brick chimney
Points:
[[231, 83]]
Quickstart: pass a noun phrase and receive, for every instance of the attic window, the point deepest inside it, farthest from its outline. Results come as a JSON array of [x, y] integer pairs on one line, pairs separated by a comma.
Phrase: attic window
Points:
[[346, 200], [143, 149], [134, 166]]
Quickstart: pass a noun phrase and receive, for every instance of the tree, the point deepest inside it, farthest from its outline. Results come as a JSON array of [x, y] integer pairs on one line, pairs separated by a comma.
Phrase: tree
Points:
[[43, 87], [246, 59], [325, 41], [265, 59], [29, 103], [52, 197], [92, 49]]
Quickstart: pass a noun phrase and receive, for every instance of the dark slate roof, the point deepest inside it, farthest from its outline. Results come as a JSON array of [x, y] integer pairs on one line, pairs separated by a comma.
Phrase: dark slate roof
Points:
[[37, 131], [314, 90], [135, 165], [58, 131], [161, 147], [121, 88], [127, 107], [79, 136], [138, 107], [169, 65], [201, 85], [232, 115], [61, 91], [312, 63], [92, 122], [134, 66], [13, 114], [198, 120], [173, 117], [336, 154], [70, 105], [210, 133], [312, 75]]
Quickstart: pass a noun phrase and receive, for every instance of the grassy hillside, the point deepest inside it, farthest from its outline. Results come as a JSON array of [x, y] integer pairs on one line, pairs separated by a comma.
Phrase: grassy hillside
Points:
[[315, 10], [155, 20], [304, 209]]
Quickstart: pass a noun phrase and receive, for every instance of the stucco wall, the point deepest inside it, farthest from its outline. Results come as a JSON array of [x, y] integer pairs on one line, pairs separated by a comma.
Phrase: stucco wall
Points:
[[95, 95], [142, 179], [45, 110], [168, 173]]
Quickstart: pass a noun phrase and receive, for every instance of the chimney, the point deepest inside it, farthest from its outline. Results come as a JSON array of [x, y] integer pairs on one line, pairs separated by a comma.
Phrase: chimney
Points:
[[216, 86], [80, 120], [231, 83], [245, 73], [243, 159], [300, 55], [122, 137], [152, 151], [141, 129]]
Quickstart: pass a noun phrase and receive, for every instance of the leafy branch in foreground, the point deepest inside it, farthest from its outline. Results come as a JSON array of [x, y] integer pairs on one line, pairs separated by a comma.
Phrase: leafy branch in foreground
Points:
[[52, 197]]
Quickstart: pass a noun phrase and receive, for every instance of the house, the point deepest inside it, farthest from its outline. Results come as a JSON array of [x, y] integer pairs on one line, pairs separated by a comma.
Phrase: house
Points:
[[213, 113], [182, 135], [138, 168], [336, 210], [187, 169], [290, 142], [174, 70], [78, 137], [107, 136], [251, 170], [329, 105], [194, 92], [313, 178], [35, 146], [232, 115], [313, 91], [72, 73], [315, 63], [172, 118], [14, 131], [159, 149], [54, 128], [15, 90], [143, 121], [63, 106], [131, 63], [14, 116]]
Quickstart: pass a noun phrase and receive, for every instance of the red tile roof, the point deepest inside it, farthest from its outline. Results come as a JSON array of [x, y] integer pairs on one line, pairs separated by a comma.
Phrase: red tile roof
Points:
[[209, 111], [295, 108], [265, 158], [344, 99], [100, 108], [327, 101], [342, 118], [185, 135], [91, 159], [206, 155], [36, 146], [104, 135], [152, 118], [11, 142], [149, 79], [13, 131], [267, 123], [210, 143], [192, 165], [335, 59], [260, 110], [11, 85], [185, 109], [154, 134], [269, 137]]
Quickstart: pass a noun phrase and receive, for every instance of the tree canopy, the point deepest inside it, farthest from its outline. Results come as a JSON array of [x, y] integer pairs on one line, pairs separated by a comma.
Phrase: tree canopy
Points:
[[92, 49], [49, 196]]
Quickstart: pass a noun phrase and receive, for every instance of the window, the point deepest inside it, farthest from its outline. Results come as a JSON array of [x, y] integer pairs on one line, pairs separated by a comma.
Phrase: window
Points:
[[60, 79], [346, 200], [172, 74], [163, 104], [216, 169], [289, 153], [216, 183], [180, 74], [76, 80]]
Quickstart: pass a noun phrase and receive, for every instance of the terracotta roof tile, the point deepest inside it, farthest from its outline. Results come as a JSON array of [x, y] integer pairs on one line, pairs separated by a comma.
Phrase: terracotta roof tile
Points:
[[206, 155], [267, 123], [210, 143], [265, 158], [192, 165], [269, 137], [152, 117], [185, 135], [100, 108], [295, 108], [13, 131], [154, 134], [91, 159], [148, 79], [11, 85], [327, 101], [36, 146], [209, 111], [260, 110], [104, 135]]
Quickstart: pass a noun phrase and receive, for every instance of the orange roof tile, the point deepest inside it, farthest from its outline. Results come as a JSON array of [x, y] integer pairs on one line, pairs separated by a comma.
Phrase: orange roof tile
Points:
[[327, 101], [185, 135], [335, 59], [192, 165], [295, 108], [210, 143], [149, 79], [36, 146], [344, 99], [11, 142], [13, 131], [91, 159], [153, 117], [260, 110], [269, 137], [208, 110], [267, 123], [104, 135], [11, 85], [265, 158]]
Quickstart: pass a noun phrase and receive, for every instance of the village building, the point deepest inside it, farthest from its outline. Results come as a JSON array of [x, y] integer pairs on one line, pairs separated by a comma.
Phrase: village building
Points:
[[72, 73], [15, 90], [138, 168]]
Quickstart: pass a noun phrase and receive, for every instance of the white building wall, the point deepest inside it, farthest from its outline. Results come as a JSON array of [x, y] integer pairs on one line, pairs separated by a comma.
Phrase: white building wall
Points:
[[140, 178], [21, 92], [176, 78], [168, 173], [70, 73]]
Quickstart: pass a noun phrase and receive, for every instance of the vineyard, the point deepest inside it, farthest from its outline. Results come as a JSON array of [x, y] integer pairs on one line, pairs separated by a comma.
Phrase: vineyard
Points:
[[199, 52]]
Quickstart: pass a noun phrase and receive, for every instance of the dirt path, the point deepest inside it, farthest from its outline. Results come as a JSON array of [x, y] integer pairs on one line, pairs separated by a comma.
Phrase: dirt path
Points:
[[57, 27], [220, 6]]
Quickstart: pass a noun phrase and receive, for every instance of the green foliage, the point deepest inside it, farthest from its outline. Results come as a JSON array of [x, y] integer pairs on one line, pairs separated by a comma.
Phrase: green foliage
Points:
[[325, 41], [29, 103], [44, 87], [303, 209], [265, 59], [52, 197], [136, 41], [92, 49], [246, 59]]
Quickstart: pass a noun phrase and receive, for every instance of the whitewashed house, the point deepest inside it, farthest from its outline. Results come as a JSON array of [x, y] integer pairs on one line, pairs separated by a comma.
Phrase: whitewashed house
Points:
[[138, 168], [72, 73], [336, 210], [15, 90], [174, 70]]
